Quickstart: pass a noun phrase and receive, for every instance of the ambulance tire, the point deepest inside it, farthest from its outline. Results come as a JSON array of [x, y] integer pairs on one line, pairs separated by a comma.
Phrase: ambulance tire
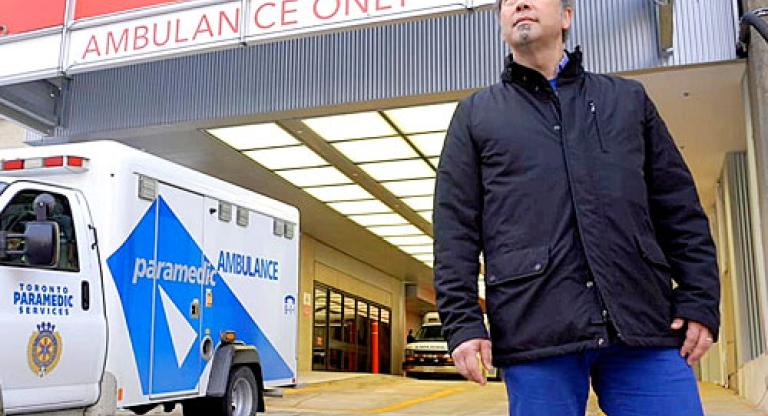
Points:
[[242, 396], [240, 399]]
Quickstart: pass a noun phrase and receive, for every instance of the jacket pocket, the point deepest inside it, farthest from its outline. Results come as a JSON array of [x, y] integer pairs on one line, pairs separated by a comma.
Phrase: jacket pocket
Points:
[[517, 264], [596, 122], [651, 252]]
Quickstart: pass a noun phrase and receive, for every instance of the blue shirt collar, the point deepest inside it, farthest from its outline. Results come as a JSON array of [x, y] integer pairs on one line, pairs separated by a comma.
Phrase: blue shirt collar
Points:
[[560, 67]]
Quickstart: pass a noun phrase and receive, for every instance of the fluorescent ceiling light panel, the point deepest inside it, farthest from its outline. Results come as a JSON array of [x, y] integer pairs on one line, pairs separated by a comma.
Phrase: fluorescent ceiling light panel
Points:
[[351, 126], [428, 144], [315, 176], [378, 219], [424, 249], [339, 193], [423, 118], [254, 136], [419, 203], [369, 150], [372, 206], [427, 215], [418, 187], [434, 161], [286, 157], [400, 169], [425, 257], [416, 240], [395, 230]]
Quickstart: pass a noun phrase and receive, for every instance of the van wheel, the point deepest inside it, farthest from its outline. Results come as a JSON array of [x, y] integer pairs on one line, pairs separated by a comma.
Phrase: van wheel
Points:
[[242, 395], [240, 399]]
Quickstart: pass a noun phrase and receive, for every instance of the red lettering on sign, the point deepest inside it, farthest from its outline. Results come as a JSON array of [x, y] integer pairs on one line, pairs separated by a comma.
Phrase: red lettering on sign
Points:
[[234, 27], [167, 34], [330, 15], [286, 11], [93, 46], [379, 6], [178, 30], [204, 26], [259, 10], [362, 6], [123, 43], [140, 34]]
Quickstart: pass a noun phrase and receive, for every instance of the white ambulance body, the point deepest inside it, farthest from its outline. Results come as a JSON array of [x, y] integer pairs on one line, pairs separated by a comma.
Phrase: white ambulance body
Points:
[[160, 285]]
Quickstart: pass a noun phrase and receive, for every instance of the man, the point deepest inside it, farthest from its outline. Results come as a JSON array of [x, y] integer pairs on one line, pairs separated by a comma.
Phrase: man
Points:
[[570, 185]]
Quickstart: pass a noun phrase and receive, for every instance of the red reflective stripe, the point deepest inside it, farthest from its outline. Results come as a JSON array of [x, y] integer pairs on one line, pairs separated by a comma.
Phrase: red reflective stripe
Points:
[[50, 162], [75, 161], [13, 164]]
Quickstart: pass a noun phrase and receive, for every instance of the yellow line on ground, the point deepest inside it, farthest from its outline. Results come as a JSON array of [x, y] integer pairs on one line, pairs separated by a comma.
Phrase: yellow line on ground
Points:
[[289, 392], [413, 402]]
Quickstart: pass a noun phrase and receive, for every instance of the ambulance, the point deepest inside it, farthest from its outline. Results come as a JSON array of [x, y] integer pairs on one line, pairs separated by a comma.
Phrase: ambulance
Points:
[[428, 353], [130, 282]]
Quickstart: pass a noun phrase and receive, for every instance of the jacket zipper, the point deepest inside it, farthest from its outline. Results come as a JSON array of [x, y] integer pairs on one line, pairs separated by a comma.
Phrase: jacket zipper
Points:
[[596, 120], [601, 295]]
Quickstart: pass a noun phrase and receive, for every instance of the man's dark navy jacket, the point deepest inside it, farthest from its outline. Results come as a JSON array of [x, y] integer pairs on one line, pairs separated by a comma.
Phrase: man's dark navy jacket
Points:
[[585, 213]]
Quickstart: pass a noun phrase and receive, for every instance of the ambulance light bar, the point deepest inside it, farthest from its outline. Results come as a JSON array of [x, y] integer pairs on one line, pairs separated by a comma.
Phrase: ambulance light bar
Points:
[[45, 165]]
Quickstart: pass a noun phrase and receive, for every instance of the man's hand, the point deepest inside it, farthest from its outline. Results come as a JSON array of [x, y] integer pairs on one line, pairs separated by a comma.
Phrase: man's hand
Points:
[[465, 358], [698, 339]]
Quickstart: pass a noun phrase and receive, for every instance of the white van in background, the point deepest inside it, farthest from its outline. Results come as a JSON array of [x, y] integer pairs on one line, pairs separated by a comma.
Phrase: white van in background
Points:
[[127, 281]]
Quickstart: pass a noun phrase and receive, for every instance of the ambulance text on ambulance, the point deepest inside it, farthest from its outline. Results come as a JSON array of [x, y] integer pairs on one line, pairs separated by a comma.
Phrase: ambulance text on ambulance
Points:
[[229, 263]]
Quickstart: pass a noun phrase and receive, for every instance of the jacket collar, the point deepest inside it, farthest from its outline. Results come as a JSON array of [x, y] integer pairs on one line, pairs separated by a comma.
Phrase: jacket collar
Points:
[[527, 77]]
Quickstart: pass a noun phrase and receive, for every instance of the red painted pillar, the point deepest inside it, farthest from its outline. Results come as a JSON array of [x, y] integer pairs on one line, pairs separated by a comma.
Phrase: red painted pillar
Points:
[[375, 347]]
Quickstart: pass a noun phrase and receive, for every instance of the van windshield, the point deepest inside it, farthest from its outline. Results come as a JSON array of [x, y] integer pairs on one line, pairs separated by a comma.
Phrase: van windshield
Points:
[[430, 333]]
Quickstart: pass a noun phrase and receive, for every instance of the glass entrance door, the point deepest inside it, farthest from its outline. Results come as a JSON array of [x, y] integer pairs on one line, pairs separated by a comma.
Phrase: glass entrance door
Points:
[[349, 333]]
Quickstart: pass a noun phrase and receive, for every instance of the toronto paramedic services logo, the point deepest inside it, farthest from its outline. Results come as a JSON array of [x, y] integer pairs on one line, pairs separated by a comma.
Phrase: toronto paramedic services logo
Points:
[[44, 349]]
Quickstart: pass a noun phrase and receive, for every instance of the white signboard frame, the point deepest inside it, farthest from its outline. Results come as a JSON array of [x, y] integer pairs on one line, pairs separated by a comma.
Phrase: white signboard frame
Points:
[[183, 29]]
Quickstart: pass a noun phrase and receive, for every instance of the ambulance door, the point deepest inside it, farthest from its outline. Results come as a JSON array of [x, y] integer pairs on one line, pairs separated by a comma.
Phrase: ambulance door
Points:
[[53, 325], [176, 356]]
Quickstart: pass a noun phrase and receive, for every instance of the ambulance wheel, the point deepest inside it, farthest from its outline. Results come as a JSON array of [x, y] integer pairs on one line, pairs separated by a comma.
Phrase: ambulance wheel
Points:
[[242, 396]]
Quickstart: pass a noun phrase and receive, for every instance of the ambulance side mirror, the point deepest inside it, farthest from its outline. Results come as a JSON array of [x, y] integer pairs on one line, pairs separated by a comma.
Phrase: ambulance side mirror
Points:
[[42, 243], [40, 240], [44, 205]]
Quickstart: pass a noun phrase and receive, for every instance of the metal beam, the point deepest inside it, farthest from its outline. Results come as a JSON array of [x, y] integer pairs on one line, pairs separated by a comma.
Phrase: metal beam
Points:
[[34, 104]]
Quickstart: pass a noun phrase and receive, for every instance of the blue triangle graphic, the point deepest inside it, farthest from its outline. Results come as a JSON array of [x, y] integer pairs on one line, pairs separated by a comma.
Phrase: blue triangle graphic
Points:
[[132, 269]]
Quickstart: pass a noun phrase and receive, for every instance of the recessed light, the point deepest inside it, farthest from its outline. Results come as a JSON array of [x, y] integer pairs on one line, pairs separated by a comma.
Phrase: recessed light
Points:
[[254, 136]]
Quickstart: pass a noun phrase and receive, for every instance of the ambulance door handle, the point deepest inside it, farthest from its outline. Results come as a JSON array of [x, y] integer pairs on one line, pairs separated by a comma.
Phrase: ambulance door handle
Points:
[[194, 309], [86, 295]]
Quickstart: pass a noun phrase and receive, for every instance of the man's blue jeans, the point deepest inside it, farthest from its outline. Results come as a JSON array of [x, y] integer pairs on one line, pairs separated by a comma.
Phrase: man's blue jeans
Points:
[[628, 382]]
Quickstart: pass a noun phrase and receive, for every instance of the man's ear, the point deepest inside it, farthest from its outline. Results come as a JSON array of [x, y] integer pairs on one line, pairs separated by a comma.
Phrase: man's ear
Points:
[[567, 18]]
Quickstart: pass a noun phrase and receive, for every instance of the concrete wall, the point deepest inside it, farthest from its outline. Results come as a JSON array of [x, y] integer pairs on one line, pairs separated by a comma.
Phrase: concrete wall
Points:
[[11, 135], [752, 377], [331, 267]]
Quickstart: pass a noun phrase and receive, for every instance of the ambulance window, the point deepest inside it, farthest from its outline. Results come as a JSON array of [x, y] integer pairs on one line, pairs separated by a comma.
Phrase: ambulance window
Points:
[[20, 210]]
